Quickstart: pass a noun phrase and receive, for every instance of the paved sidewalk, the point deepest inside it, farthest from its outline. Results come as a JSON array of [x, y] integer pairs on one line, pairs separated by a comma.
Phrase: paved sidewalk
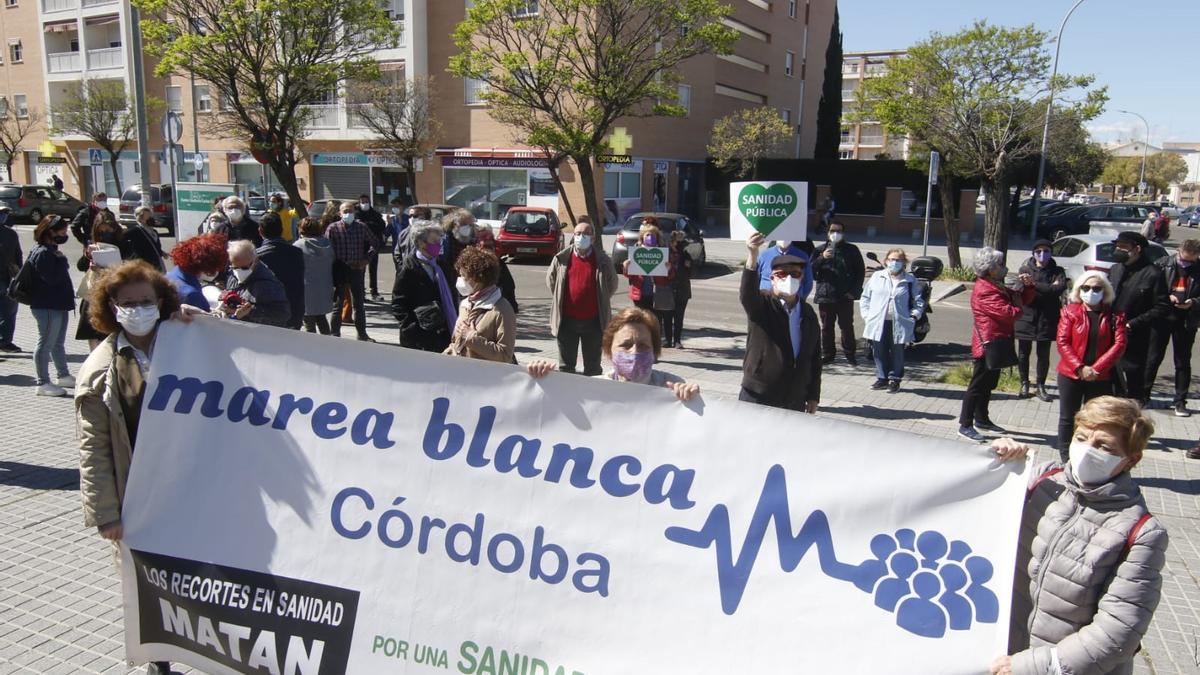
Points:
[[59, 597]]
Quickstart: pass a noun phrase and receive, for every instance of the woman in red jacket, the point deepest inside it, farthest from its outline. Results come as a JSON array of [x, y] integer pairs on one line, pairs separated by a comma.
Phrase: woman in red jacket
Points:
[[1091, 340], [655, 293], [995, 309]]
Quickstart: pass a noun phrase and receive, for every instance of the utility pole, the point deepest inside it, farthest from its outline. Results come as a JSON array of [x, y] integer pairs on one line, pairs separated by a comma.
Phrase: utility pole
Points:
[[1145, 149], [139, 96]]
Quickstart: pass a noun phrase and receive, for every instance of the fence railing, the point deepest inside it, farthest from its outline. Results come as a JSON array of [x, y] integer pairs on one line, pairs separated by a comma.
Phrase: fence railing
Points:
[[63, 62], [59, 5], [109, 57]]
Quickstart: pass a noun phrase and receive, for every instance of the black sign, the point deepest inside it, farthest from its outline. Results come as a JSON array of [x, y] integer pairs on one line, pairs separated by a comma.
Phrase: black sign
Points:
[[615, 159], [51, 160], [237, 617]]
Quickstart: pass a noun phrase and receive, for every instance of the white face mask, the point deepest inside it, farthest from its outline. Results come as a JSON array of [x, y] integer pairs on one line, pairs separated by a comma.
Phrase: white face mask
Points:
[[234, 214], [782, 245], [787, 286], [464, 287], [395, 210], [1090, 465], [835, 237], [583, 242], [137, 321], [1092, 298], [347, 218], [241, 274], [206, 277], [464, 233], [363, 207]]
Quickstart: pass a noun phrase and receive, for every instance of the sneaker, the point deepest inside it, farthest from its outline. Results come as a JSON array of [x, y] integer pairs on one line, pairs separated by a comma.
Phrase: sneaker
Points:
[[66, 382], [9, 348], [365, 338], [48, 389], [989, 426], [1181, 410], [893, 386], [970, 434], [880, 385], [852, 360]]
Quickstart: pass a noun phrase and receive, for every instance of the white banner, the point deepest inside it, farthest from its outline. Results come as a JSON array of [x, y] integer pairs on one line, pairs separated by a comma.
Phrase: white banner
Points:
[[777, 209], [302, 505]]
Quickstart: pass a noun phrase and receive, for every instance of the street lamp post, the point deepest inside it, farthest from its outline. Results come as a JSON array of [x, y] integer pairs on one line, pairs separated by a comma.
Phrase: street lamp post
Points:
[[1145, 148], [1037, 193]]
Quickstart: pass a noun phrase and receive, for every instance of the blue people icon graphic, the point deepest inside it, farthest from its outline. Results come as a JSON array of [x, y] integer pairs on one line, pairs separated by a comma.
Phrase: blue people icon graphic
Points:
[[919, 576]]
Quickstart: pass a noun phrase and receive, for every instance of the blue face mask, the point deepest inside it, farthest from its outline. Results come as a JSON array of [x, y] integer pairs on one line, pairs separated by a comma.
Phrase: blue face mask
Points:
[[895, 266]]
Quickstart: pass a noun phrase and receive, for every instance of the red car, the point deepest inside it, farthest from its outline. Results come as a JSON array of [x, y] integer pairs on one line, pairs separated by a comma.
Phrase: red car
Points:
[[529, 231]]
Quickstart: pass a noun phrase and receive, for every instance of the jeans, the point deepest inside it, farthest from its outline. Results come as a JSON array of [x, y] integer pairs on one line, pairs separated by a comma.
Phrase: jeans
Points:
[[356, 280], [1072, 394], [841, 312], [979, 395], [571, 334], [51, 343], [889, 356], [1024, 349], [316, 322], [1181, 339], [8, 318]]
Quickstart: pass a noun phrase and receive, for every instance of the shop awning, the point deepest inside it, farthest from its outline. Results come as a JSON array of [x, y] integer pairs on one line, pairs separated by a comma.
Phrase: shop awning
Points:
[[61, 27], [103, 20], [512, 153]]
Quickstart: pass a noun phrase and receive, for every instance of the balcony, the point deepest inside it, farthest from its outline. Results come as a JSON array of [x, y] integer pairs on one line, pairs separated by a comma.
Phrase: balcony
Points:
[[871, 141], [49, 6], [63, 62], [324, 116], [109, 57], [849, 94], [97, 3]]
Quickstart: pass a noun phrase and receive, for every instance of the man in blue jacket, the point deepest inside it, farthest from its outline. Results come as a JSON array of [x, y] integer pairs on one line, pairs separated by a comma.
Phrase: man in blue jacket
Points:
[[286, 261]]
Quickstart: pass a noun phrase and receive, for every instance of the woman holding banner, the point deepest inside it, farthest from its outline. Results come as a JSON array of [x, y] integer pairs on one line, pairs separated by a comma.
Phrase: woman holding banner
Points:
[[1090, 554], [127, 303], [655, 293]]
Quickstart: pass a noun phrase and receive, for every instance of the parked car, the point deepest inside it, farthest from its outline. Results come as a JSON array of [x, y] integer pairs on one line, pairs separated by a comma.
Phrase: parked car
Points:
[[493, 206], [1077, 253], [529, 231], [667, 222], [161, 202], [1097, 219], [1190, 216], [438, 211], [32, 202], [317, 208], [461, 195]]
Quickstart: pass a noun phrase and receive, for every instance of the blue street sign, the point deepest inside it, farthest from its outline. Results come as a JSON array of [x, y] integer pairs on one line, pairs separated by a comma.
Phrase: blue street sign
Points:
[[95, 157]]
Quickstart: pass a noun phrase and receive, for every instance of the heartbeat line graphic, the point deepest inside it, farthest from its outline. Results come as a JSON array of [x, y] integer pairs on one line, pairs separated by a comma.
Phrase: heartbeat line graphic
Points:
[[931, 584]]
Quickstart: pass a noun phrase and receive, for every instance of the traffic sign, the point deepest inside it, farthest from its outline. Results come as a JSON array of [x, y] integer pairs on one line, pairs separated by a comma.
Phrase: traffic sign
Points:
[[934, 163], [172, 127], [95, 157], [198, 161]]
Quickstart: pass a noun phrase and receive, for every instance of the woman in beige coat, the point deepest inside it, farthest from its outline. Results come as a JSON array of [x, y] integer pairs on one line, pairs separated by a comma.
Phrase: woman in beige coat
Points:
[[487, 325], [1090, 557]]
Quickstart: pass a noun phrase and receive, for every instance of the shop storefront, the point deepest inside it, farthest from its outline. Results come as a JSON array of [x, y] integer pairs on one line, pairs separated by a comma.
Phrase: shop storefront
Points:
[[489, 182], [350, 174], [94, 163], [255, 178]]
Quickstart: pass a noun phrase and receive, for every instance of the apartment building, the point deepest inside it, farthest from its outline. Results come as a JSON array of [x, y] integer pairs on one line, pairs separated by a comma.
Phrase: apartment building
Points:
[[866, 139], [479, 163]]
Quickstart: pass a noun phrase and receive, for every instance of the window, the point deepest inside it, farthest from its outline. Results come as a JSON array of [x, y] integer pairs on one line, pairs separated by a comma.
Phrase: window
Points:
[[684, 92], [526, 9], [175, 99], [789, 63], [10, 3], [203, 98], [3, 107], [787, 116], [622, 184], [792, 8], [21, 105], [393, 9], [475, 89], [226, 102], [16, 53], [846, 154]]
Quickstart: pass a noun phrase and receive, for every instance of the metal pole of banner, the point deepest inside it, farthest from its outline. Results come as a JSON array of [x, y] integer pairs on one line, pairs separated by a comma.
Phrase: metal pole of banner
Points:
[[139, 101], [933, 179]]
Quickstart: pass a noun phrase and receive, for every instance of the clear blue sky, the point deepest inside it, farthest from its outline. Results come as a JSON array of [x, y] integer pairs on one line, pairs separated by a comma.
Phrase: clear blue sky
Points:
[[1147, 51]]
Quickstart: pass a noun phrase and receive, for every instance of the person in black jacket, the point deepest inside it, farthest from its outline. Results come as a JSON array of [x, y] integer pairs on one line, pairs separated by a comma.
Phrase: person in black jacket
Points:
[[81, 224], [375, 223], [838, 271], [682, 286], [241, 225], [783, 359], [1038, 323], [252, 293], [423, 300], [1182, 276], [287, 262], [1141, 295], [141, 242], [486, 240], [10, 264]]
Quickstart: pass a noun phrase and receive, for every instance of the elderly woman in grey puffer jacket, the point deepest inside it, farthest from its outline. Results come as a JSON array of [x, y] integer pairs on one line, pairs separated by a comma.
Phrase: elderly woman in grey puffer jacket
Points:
[[1089, 564]]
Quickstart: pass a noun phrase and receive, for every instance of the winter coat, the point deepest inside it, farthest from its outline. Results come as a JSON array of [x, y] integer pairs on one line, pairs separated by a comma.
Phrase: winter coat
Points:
[[556, 281], [52, 287], [994, 311], [1141, 295], [683, 275], [142, 243], [10, 256], [1078, 589], [1072, 338], [246, 228], [318, 274], [417, 306], [1039, 319], [191, 290], [108, 384], [771, 370], [1171, 272], [264, 291], [287, 263], [508, 287], [905, 299], [81, 224], [487, 329], [839, 278]]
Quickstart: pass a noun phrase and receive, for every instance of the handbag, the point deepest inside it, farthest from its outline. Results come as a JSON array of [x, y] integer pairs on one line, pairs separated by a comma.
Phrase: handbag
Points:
[[22, 285], [1000, 353]]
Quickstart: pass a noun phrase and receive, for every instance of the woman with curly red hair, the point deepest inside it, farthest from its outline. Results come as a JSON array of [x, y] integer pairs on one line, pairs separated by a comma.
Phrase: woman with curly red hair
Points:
[[198, 260]]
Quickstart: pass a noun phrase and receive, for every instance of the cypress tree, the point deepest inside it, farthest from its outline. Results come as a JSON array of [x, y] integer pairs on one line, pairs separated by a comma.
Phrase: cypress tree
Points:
[[829, 111]]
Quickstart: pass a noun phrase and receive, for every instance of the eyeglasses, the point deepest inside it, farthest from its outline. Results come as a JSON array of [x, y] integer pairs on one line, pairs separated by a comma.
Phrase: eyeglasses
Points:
[[134, 304], [782, 274], [1086, 289]]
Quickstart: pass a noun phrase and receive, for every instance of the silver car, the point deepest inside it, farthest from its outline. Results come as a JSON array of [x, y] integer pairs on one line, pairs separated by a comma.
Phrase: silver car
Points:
[[627, 237], [1077, 253], [32, 202]]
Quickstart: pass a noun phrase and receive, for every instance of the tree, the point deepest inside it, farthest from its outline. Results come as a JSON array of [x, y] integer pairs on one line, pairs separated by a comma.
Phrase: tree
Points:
[[102, 111], [268, 60], [14, 129], [950, 181], [829, 111], [1162, 169], [979, 97], [564, 74], [400, 116], [1072, 159], [742, 139]]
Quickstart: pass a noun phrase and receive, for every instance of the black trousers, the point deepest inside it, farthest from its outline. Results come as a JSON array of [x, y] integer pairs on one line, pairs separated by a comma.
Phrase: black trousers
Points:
[[1072, 394], [1181, 339], [1133, 364], [317, 322], [666, 321], [841, 313], [979, 395], [571, 334], [1024, 348], [355, 279], [373, 271], [680, 307]]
